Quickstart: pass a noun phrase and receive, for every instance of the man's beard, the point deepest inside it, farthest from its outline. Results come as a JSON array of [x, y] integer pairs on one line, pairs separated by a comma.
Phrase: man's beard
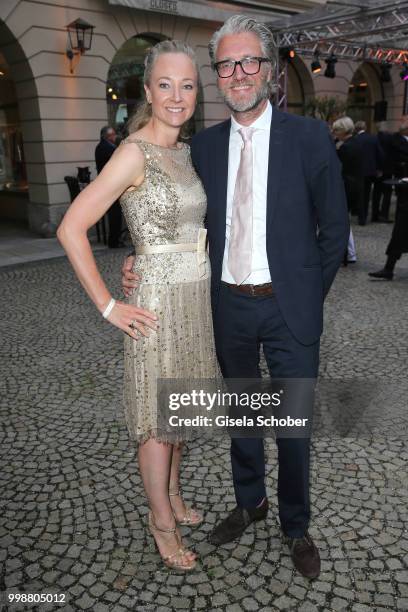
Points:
[[249, 104]]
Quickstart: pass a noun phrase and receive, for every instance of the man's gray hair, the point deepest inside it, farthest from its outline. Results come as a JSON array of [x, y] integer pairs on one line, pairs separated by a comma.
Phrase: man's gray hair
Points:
[[238, 24], [360, 125], [344, 124]]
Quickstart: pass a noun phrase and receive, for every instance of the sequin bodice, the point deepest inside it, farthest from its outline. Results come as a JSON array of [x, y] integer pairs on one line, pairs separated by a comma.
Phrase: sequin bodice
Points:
[[168, 207]]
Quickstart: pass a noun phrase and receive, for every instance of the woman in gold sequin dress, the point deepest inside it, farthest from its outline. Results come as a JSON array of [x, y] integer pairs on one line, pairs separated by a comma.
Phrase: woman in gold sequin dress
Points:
[[164, 204]]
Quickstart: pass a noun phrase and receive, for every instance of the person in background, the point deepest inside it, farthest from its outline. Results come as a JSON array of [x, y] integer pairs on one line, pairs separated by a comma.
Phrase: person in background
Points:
[[103, 152], [350, 155], [399, 150], [381, 201], [399, 238], [372, 157]]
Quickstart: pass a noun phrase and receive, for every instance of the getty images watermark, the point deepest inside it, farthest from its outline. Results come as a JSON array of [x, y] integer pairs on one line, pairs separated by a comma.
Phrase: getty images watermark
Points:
[[241, 407], [292, 408], [200, 399]]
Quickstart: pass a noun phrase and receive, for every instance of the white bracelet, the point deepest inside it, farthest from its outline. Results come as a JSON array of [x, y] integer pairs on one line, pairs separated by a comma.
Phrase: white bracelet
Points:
[[108, 309]]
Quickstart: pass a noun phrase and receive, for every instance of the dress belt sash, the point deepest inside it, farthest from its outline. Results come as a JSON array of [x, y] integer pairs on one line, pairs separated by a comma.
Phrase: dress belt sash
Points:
[[183, 247]]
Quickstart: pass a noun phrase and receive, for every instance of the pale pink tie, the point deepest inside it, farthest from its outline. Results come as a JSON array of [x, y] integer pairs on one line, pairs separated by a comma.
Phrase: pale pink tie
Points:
[[240, 241]]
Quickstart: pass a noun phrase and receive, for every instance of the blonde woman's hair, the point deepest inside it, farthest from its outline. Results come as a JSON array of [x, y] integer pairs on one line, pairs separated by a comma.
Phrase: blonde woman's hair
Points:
[[144, 110], [344, 124]]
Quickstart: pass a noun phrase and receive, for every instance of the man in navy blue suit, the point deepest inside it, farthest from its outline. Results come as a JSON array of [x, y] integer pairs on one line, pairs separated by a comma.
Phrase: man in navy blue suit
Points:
[[278, 229], [373, 159], [299, 235]]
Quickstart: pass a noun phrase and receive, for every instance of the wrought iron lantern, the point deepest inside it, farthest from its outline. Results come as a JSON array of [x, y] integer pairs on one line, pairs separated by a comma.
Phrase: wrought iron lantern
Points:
[[80, 34]]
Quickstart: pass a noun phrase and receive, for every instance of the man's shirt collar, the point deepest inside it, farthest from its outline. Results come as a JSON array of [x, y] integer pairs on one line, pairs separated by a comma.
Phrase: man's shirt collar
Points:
[[262, 123]]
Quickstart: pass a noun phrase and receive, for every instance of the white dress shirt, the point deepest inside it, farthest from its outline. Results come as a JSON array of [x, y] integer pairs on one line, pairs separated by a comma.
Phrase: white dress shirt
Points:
[[260, 146]]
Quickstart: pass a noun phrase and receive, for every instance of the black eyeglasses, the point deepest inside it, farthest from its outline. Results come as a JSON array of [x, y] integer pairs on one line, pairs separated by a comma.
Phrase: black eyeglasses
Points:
[[249, 65]]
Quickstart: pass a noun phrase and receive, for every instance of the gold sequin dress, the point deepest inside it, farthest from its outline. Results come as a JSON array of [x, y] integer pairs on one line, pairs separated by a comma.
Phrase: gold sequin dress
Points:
[[168, 207]]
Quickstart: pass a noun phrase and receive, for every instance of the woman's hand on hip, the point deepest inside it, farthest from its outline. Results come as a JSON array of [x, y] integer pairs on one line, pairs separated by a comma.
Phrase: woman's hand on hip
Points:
[[130, 280], [132, 319]]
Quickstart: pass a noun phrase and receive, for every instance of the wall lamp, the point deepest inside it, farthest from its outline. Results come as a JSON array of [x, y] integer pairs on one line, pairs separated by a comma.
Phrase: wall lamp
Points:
[[80, 34]]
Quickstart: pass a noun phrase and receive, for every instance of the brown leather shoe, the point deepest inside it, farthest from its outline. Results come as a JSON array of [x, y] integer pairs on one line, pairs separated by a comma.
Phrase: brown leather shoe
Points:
[[234, 525], [305, 556]]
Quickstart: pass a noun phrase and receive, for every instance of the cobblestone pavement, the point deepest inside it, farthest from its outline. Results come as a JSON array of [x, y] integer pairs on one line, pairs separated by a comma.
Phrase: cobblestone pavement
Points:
[[72, 505]]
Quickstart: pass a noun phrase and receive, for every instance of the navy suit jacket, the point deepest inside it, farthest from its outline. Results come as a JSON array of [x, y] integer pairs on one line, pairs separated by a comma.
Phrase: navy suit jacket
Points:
[[307, 220], [372, 153], [400, 154], [385, 139], [103, 152]]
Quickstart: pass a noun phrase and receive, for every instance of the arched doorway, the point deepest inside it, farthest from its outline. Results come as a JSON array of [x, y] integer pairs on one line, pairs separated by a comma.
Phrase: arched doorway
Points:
[[365, 90], [13, 176], [17, 180], [300, 86], [124, 88]]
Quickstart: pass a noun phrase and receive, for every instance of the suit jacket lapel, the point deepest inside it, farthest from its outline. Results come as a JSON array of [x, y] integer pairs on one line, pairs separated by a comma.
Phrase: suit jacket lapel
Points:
[[221, 154], [276, 155]]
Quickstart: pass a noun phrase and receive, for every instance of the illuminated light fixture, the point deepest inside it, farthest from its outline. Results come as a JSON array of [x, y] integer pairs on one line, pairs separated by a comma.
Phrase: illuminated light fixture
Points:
[[404, 72], [330, 71], [1, 73], [315, 65], [110, 90], [385, 72], [80, 34], [287, 53], [114, 97]]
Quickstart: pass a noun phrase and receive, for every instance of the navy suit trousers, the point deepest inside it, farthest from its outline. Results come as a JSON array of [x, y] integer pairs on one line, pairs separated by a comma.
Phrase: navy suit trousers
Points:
[[242, 325]]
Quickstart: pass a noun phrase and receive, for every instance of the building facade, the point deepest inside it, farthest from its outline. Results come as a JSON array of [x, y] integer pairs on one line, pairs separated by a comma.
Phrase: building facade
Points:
[[52, 107]]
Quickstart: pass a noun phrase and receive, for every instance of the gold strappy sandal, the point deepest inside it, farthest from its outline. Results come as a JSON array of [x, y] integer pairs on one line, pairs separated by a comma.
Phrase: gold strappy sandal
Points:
[[188, 518], [177, 560]]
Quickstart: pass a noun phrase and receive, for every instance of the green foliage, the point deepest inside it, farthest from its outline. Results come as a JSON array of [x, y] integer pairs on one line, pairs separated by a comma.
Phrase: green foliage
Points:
[[328, 108]]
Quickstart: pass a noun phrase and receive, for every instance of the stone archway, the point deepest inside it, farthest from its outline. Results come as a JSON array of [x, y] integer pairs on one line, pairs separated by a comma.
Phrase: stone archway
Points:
[[13, 176], [124, 87], [365, 90], [300, 86], [18, 120]]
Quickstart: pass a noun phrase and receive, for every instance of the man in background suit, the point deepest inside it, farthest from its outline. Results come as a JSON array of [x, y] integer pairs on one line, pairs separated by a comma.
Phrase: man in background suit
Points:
[[103, 152], [399, 238], [399, 150], [277, 228], [382, 193], [372, 164]]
